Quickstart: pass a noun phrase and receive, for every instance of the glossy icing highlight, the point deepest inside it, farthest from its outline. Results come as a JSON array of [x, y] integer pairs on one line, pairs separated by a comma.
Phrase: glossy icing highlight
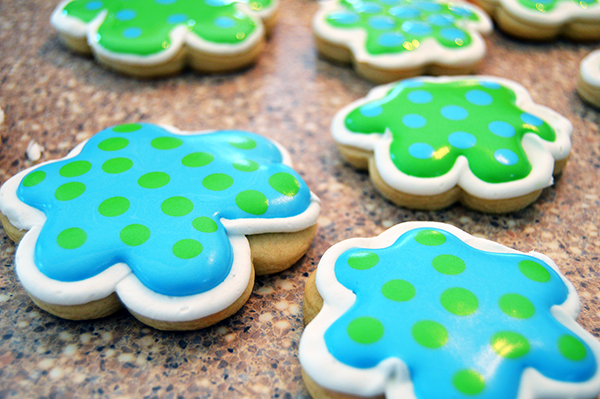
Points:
[[471, 320], [152, 199]]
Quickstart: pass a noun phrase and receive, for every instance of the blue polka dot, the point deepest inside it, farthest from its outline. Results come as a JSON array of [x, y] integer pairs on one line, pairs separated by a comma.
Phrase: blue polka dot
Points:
[[344, 17], [416, 28], [478, 97], [506, 157], [125, 15], [531, 119], [381, 22], [490, 85], [428, 6], [404, 12], [419, 97], [225, 22], [462, 140], [390, 39], [411, 83], [368, 8], [453, 34], [216, 3], [454, 112], [461, 11], [421, 150], [440, 20], [371, 110], [94, 5], [413, 121], [165, 2], [132, 33], [177, 18], [501, 129]]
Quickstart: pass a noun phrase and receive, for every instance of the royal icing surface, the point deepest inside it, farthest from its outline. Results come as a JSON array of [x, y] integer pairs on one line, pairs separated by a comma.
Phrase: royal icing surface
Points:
[[590, 69], [428, 311], [152, 31], [141, 202], [552, 13], [481, 133], [397, 34]]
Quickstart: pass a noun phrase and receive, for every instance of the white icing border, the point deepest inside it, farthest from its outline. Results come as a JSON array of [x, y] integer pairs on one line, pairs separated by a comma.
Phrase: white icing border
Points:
[[540, 153], [119, 278], [562, 14], [179, 36], [429, 52], [589, 69], [391, 376]]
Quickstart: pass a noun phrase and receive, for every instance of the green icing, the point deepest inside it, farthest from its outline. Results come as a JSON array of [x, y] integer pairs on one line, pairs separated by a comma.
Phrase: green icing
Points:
[[143, 27], [432, 124], [397, 26], [549, 5]]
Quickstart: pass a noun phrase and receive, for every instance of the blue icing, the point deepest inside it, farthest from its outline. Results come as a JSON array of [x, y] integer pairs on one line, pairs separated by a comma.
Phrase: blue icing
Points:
[[168, 248], [392, 321]]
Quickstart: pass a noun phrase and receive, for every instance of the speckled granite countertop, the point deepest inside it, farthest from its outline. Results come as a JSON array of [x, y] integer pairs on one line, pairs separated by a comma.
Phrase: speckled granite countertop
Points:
[[58, 99]]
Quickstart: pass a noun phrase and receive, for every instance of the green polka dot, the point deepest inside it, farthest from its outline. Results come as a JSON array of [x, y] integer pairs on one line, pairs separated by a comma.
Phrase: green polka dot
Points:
[[365, 330], [135, 234], [510, 345], [459, 301], [34, 178], [217, 182], [430, 334], [246, 165], [177, 206], [243, 143], [71, 238], [166, 143], [197, 159], [114, 206], [252, 202], [117, 165], [517, 306], [205, 225], [534, 271], [448, 264], [284, 183], [363, 260], [127, 128], [430, 238], [469, 382], [76, 168], [571, 348], [69, 191], [154, 180], [398, 290], [113, 144], [187, 249]]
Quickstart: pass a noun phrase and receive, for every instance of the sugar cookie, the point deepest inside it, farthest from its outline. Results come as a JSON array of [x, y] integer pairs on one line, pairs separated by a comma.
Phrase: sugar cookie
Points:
[[427, 311], [172, 224], [429, 142], [387, 40], [588, 85], [160, 37]]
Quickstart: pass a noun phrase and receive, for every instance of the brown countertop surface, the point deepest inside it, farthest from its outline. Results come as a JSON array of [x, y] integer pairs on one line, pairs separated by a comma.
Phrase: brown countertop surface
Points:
[[59, 99]]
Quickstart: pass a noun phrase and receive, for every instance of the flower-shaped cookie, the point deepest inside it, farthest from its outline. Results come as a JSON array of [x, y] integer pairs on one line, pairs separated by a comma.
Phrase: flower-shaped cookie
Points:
[[391, 39], [588, 85], [158, 217], [158, 37], [433, 141], [545, 19], [427, 311]]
